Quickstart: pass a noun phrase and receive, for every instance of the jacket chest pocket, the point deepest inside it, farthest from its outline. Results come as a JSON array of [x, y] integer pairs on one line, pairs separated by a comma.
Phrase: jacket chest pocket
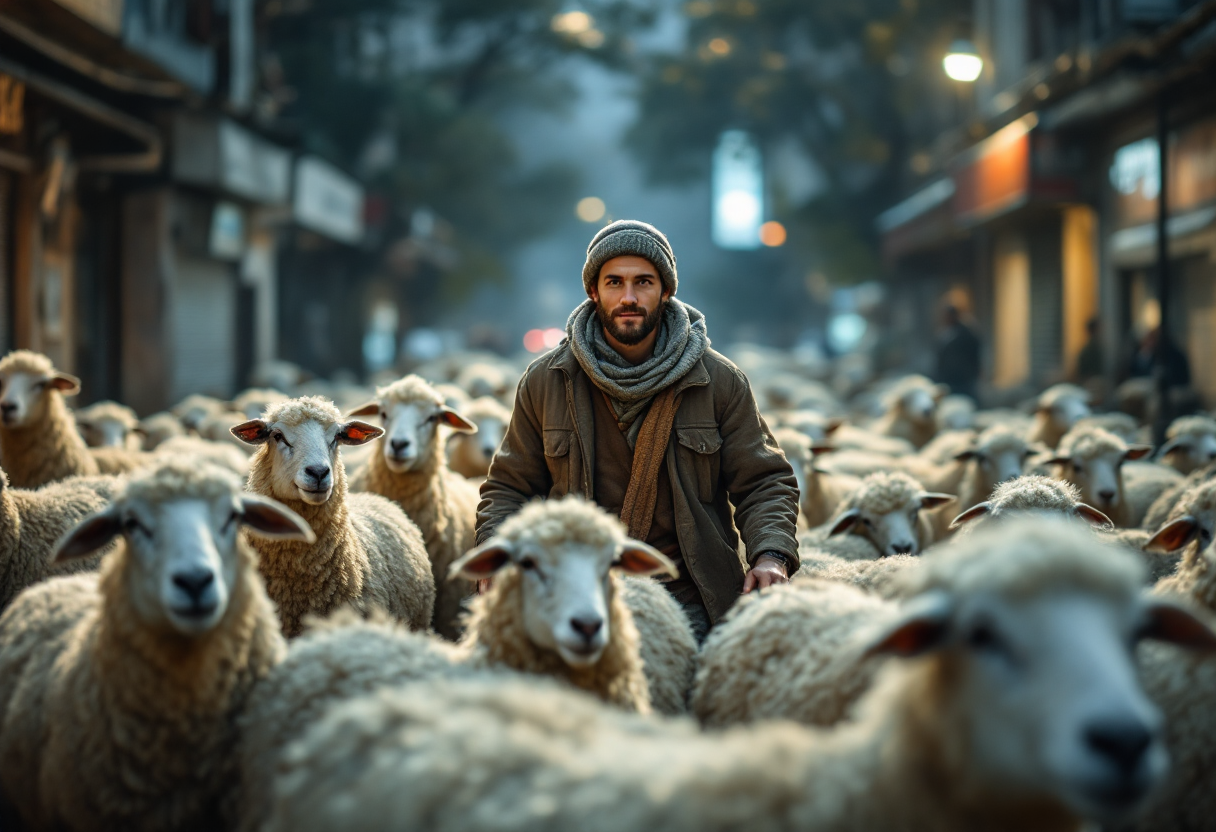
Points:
[[700, 452], [557, 458]]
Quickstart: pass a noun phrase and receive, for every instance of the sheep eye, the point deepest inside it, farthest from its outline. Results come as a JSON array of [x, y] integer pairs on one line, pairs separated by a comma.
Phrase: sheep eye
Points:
[[527, 563], [232, 518], [278, 436], [131, 526], [984, 637]]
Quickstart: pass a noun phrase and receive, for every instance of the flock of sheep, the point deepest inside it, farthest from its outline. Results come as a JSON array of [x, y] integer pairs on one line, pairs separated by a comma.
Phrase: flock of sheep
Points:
[[264, 614]]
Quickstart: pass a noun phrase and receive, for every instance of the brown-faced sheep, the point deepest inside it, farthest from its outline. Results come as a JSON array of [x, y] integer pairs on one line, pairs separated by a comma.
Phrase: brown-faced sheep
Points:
[[1057, 411]]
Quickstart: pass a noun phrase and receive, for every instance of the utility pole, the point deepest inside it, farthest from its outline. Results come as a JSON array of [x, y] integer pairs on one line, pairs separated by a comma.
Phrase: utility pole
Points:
[[1161, 359]]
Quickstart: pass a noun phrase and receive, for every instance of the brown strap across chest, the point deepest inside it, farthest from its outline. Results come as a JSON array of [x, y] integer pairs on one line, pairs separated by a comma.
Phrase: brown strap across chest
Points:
[[637, 511]]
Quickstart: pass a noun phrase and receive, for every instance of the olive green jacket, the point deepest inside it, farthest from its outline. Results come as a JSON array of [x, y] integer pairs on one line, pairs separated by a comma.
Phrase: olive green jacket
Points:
[[722, 449]]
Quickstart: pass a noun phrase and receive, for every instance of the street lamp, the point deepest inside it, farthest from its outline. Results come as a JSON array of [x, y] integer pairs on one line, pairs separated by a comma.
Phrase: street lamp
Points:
[[963, 63]]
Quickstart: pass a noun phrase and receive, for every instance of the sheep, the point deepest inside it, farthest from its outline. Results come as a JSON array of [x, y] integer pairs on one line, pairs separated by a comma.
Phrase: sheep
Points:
[[469, 454], [411, 471], [553, 593], [890, 511], [216, 453], [817, 427], [800, 653], [1122, 425], [880, 577], [159, 428], [961, 738], [196, 407], [1181, 684], [1190, 444], [956, 413], [851, 438], [366, 552], [555, 566], [996, 456], [1057, 411], [111, 425], [39, 441], [481, 378], [1031, 493], [32, 521], [1161, 508], [254, 401], [119, 692], [1093, 460], [911, 410], [1192, 519], [820, 493]]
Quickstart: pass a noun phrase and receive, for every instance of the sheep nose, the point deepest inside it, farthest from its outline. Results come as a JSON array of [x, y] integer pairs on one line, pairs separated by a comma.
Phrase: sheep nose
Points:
[[901, 548], [318, 472], [587, 627], [7, 408], [399, 445], [1121, 742], [1106, 495], [194, 583]]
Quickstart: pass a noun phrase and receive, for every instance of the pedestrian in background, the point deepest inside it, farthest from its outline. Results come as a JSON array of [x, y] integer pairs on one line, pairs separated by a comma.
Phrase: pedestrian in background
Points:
[[958, 355]]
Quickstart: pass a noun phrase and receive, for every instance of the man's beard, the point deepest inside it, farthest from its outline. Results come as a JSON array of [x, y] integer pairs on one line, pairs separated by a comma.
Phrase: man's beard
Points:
[[633, 334]]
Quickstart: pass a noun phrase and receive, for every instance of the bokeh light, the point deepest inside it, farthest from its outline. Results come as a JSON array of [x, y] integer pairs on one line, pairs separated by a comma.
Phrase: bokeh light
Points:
[[590, 209], [552, 337], [720, 47], [534, 340], [772, 234], [591, 39], [572, 23]]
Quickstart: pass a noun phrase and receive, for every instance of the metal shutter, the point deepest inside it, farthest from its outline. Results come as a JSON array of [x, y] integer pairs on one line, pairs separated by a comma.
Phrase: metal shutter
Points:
[[204, 328]]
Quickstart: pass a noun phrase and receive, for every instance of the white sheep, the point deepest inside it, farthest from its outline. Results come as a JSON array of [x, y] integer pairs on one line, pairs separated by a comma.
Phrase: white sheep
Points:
[[119, 693], [1122, 425], [890, 512], [1057, 411], [366, 552], [108, 424], [254, 401], [1094, 460], [1161, 508], [39, 441], [1183, 684], [910, 410], [801, 653], [1190, 444], [956, 413], [411, 471], [961, 738], [1031, 493], [159, 428], [469, 454], [817, 426], [196, 407], [31, 522], [557, 607]]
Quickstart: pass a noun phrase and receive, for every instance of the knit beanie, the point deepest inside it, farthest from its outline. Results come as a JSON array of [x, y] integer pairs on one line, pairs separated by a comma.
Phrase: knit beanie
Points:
[[630, 237]]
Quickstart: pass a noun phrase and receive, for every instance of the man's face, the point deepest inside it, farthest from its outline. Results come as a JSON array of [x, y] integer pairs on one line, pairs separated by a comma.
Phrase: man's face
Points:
[[629, 298]]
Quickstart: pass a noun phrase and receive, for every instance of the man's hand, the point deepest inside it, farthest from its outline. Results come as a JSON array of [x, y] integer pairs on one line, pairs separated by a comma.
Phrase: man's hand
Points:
[[765, 573]]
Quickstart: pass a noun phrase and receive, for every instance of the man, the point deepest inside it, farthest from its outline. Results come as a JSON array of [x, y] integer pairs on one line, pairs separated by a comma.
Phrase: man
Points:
[[958, 356], [634, 411]]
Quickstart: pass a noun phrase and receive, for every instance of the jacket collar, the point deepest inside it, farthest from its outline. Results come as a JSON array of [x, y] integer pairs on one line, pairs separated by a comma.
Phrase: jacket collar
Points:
[[563, 359]]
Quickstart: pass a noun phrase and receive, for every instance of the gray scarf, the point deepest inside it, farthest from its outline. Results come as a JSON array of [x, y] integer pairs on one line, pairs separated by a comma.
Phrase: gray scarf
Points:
[[681, 342]]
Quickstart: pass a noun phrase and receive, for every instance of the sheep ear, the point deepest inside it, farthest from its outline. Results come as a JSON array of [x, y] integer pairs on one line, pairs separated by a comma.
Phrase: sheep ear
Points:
[[967, 455], [482, 562], [845, 522], [1059, 460], [1171, 623], [832, 425], [358, 433], [267, 518], [65, 383], [454, 420], [636, 558], [976, 511], [1173, 536], [922, 626], [1168, 448], [1093, 516], [822, 449], [253, 432], [140, 430], [89, 535], [1138, 451], [933, 500], [371, 408]]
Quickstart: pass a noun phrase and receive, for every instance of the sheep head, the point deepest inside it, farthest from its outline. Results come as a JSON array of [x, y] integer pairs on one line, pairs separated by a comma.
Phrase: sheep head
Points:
[[28, 382], [1190, 443], [1029, 634], [1092, 459], [183, 558], [300, 441], [563, 552], [887, 511], [412, 411]]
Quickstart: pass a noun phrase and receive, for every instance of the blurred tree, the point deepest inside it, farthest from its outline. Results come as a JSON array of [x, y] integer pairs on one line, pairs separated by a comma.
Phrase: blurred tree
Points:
[[856, 87], [414, 95]]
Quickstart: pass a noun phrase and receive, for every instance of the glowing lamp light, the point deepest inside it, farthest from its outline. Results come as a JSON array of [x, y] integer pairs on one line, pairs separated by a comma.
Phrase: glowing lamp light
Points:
[[963, 63], [590, 209], [772, 234]]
